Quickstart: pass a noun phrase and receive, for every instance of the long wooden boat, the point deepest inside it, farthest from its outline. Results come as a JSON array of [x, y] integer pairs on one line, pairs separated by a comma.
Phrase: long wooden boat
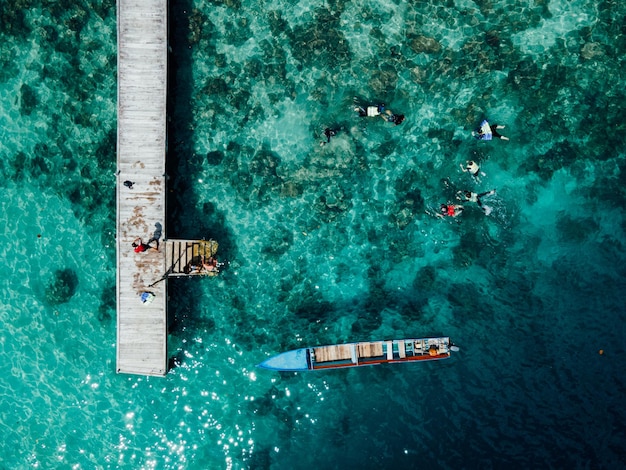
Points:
[[361, 354]]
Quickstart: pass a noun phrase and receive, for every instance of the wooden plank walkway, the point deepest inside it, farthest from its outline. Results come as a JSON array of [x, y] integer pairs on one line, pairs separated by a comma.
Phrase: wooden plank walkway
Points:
[[181, 254], [141, 152]]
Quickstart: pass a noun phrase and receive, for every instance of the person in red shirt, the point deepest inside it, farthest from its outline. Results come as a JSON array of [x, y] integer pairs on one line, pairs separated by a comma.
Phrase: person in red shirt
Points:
[[140, 246], [450, 210]]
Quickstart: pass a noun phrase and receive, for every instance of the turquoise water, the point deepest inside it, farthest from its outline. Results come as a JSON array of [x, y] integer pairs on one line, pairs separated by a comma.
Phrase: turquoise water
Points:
[[325, 243]]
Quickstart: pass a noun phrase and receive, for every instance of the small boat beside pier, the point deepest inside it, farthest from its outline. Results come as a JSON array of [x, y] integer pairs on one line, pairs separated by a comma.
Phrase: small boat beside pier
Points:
[[365, 353]]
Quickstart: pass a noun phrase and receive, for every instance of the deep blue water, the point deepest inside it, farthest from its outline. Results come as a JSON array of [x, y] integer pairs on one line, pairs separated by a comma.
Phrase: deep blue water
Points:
[[325, 243]]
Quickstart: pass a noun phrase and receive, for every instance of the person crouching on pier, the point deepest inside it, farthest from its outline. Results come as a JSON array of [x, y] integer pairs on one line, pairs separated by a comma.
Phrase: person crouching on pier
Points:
[[140, 246]]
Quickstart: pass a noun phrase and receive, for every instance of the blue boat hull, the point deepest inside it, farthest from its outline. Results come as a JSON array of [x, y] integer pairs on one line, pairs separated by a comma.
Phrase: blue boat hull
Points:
[[294, 361]]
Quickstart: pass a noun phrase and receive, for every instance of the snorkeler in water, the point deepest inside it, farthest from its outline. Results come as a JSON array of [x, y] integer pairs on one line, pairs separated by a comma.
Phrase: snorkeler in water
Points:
[[370, 111], [396, 119], [328, 133], [487, 131], [449, 210], [470, 196], [471, 167], [380, 110]]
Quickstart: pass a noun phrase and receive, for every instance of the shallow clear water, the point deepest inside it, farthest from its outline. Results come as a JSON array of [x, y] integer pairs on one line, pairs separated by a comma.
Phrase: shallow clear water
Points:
[[325, 243]]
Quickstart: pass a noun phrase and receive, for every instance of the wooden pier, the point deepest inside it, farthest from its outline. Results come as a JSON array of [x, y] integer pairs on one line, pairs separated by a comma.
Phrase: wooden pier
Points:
[[141, 151]]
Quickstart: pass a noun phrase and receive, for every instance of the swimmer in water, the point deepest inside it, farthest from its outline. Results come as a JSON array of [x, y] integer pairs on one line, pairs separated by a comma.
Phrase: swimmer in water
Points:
[[487, 131], [471, 167], [470, 196], [450, 210]]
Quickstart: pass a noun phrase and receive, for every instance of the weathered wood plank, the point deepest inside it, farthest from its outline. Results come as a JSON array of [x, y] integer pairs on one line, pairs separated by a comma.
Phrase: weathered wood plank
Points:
[[373, 349], [336, 352]]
